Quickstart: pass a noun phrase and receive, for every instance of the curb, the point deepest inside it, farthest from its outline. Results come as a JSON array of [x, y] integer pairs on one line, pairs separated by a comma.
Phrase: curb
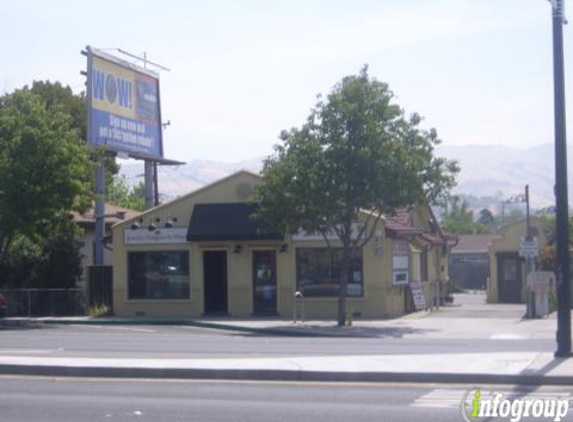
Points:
[[281, 375], [286, 331]]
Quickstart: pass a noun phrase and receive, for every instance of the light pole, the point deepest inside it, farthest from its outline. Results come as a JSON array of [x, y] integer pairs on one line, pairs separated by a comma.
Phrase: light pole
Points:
[[561, 201]]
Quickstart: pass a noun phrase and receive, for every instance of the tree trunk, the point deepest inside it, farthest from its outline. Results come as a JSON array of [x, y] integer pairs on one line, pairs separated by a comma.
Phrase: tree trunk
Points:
[[344, 276]]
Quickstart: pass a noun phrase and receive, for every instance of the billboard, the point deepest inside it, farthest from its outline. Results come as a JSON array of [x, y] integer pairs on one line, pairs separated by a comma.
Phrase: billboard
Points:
[[124, 111]]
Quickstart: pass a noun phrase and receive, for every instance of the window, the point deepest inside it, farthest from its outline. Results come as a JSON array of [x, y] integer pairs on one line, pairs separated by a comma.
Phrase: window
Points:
[[158, 275], [319, 273], [401, 262]]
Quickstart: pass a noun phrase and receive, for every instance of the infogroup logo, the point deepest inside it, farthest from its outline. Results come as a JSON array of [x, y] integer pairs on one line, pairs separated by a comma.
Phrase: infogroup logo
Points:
[[478, 405]]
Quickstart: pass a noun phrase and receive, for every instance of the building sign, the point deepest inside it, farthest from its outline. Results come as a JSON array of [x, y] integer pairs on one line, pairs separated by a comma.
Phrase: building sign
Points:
[[302, 235], [164, 236], [123, 106]]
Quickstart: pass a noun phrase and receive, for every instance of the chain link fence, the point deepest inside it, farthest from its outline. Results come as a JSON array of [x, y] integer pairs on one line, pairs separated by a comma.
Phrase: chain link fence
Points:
[[44, 302]]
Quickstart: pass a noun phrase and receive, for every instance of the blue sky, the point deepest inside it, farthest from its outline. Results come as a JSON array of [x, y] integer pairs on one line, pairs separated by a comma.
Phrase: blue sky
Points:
[[479, 71]]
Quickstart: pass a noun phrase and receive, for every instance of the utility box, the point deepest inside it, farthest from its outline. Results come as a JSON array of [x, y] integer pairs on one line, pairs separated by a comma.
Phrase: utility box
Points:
[[541, 284]]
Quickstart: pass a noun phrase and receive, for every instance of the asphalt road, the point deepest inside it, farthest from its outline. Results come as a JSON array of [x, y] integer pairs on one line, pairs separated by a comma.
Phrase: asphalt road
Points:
[[50, 400], [189, 342]]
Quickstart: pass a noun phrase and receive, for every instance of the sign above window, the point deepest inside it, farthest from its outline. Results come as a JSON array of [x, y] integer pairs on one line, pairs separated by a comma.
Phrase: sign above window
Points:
[[162, 236]]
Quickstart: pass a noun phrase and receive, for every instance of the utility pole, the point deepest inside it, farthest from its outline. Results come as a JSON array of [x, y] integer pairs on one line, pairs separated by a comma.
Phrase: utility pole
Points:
[[561, 201]]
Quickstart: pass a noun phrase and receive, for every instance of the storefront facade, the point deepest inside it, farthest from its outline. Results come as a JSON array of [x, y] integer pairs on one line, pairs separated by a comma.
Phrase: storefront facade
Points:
[[507, 267], [201, 254]]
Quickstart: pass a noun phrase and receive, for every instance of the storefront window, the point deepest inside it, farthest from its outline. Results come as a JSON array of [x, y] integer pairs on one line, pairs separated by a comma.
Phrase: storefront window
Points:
[[319, 273], [158, 275]]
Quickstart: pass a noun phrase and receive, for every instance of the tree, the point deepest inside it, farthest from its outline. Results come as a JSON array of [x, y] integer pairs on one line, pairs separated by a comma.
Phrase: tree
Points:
[[357, 158], [61, 99], [486, 218], [45, 171], [119, 193], [459, 219]]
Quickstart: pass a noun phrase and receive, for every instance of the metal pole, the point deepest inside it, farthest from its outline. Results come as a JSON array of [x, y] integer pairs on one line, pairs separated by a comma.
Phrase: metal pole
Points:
[[561, 201], [148, 184], [155, 184], [99, 213], [528, 293]]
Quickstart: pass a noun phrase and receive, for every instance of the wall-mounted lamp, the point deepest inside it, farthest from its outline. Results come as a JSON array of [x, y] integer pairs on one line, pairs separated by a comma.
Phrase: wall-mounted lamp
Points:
[[134, 225], [283, 248], [237, 248], [168, 223], [151, 226]]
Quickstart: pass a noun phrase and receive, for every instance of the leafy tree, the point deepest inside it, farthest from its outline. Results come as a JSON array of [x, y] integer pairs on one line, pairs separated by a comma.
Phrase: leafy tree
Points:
[[61, 99], [357, 158], [45, 169], [119, 193], [459, 219], [486, 218]]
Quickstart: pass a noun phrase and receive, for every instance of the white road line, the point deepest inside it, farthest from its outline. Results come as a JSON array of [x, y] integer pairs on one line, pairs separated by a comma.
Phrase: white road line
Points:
[[108, 327]]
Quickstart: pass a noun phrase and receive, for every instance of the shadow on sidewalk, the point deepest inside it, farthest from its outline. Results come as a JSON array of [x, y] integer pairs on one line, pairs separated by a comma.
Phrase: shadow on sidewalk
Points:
[[335, 331]]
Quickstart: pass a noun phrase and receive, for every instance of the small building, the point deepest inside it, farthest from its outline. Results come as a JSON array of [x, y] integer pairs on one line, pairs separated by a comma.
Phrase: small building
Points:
[[507, 267], [86, 221], [469, 261], [203, 254]]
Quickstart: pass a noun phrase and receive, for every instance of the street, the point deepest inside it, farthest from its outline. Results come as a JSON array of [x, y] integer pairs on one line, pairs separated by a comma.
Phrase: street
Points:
[[59, 399]]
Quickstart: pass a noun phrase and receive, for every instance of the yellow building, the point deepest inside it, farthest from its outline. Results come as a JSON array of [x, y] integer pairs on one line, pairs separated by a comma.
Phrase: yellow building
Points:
[[507, 268], [202, 254]]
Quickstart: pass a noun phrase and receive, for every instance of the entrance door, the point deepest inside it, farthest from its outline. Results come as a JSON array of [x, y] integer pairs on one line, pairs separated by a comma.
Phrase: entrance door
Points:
[[265, 282], [215, 281], [509, 277]]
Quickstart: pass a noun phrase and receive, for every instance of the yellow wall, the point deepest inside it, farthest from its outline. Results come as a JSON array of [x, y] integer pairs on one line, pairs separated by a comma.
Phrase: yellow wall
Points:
[[381, 298]]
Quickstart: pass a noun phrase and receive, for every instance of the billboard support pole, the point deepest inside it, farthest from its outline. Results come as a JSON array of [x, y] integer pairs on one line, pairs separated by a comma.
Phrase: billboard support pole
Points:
[[155, 184], [148, 184], [99, 213]]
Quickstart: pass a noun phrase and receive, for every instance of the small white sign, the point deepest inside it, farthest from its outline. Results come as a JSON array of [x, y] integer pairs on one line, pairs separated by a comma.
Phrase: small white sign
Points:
[[528, 248], [160, 236]]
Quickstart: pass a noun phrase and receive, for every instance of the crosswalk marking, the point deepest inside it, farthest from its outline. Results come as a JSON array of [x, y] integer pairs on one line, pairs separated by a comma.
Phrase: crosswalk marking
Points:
[[451, 398]]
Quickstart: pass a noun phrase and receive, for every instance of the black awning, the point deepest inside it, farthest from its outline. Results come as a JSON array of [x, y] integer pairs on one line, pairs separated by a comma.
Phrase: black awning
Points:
[[229, 221]]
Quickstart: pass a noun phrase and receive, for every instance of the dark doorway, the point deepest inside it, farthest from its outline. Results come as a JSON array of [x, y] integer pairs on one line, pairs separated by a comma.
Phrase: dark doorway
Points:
[[215, 282], [509, 277], [265, 282]]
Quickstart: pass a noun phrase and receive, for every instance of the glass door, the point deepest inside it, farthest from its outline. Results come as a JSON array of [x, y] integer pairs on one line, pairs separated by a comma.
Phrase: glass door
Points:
[[265, 282]]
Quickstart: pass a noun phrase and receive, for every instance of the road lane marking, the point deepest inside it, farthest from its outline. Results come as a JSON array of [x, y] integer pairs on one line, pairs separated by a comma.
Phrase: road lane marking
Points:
[[107, 327]]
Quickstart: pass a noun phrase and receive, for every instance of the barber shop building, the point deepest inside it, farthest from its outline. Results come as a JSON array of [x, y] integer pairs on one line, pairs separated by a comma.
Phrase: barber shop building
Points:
[[202, 254]]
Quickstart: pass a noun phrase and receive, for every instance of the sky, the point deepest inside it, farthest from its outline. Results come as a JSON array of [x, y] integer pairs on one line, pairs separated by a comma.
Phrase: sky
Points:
[[479, 71]]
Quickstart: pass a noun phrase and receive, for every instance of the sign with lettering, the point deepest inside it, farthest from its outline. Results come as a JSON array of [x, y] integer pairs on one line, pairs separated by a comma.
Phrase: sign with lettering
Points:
[[418, 295], [163, 236], [123, 106]]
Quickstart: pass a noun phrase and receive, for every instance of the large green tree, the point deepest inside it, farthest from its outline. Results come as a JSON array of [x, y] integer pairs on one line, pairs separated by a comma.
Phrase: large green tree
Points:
[[45, 170], [357, 158], [459, 219]]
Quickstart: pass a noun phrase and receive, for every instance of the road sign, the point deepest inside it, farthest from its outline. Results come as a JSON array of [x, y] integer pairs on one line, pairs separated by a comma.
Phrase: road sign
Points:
[[528, 248]]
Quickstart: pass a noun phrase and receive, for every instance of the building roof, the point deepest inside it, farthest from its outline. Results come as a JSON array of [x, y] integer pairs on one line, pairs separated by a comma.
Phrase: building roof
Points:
[[472, 243], [227, 221], [113, 215]]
